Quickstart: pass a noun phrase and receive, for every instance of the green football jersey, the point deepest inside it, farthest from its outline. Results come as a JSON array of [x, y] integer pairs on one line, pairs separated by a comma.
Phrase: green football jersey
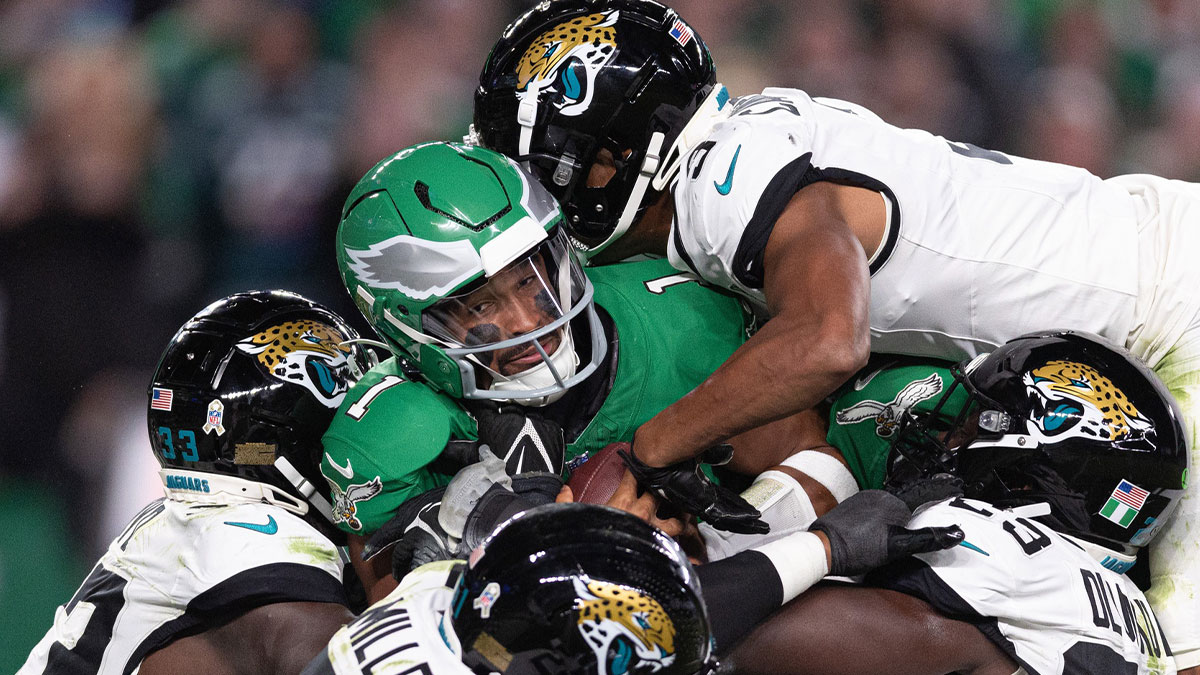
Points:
[[867, 410], [672, 332]]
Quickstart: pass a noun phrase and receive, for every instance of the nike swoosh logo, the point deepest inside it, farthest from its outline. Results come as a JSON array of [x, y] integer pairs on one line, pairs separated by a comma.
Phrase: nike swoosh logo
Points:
[[347, 472], [966, 544], [725, 187], [866, 379], [427, 519], [269, 527]]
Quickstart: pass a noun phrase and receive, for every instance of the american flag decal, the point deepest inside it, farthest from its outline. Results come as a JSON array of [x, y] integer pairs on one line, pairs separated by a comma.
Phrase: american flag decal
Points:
[[1130, 495], [160, 399], [681, 33]]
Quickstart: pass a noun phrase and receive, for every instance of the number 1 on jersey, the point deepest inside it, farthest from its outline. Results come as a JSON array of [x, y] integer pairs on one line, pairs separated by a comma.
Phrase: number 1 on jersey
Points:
[[660, 285], [359, 408]]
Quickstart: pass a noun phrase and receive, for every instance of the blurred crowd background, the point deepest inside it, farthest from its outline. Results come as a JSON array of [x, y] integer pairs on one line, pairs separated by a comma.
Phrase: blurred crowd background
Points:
[[157, 155]]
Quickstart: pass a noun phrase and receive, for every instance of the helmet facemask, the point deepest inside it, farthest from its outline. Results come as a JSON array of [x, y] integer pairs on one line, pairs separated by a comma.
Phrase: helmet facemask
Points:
[[510, 332], [927, 443]]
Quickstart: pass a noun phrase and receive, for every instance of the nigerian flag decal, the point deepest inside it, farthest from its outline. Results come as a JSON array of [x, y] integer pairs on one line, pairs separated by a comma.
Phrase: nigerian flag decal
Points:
[[1124, 503]]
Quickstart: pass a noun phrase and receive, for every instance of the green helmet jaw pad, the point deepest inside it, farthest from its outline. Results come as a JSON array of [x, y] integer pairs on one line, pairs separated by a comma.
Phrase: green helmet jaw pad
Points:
[[434, 220]]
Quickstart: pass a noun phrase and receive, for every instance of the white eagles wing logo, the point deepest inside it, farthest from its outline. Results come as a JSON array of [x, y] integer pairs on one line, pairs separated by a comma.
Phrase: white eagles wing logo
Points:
[[345, 502], [887, 416], [418, 268]]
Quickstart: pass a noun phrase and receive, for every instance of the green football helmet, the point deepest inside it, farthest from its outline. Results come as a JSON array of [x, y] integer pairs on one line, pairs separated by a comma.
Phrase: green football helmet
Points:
[[457, 259]]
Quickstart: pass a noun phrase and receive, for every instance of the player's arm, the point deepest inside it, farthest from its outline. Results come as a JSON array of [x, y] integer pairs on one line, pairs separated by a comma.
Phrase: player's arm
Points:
[[278, 638], [768, 445], [874, 630], [863, 533], [376, 573], [794, 451], [817, 288]]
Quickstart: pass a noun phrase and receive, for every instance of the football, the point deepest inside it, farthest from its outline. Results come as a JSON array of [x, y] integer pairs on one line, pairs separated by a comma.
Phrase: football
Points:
[[595, 481]]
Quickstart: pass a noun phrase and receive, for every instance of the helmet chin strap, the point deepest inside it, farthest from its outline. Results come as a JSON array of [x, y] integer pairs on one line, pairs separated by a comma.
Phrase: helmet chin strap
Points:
[[649, 167], [526, 116], [554, 369], [310, 491]]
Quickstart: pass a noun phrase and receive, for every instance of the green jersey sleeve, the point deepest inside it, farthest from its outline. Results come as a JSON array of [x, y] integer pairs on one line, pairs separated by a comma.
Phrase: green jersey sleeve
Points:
[[378, 449], [867, 410]]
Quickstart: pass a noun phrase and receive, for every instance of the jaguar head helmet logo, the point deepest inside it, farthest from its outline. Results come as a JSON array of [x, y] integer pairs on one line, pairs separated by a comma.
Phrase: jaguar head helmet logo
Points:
[[308, 353], [627, 630], [1074, 399], [566, 59]]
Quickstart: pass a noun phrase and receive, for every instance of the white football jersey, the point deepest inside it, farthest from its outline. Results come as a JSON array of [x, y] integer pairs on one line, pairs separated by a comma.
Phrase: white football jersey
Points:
[[177, 568], [408, 632], [980, 246], [1037, 595]]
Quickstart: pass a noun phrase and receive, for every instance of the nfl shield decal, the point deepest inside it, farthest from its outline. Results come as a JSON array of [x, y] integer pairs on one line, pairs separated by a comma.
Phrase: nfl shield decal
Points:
[[215, 422]]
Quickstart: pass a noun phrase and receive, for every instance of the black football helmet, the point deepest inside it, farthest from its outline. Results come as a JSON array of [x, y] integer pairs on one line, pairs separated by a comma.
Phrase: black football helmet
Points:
[[242, 395], [572, 77], [1063, 418], [580, 589]]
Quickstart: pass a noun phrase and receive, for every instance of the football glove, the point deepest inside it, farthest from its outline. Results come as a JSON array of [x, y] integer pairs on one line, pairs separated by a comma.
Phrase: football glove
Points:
[[449, 522], [429, 527], [520, 436], [415, 533], [935, 488], [686, 486], [499, 504], [867, 531]]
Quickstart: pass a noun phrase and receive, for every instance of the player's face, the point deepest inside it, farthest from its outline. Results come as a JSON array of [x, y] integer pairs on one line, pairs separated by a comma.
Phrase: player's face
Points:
[[603, 169], [963, 435], [517, 300]]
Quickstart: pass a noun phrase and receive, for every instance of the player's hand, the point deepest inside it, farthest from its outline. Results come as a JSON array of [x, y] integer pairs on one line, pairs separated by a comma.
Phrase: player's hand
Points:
[[521, 437], [502, 502], [475, 489], [685, 486], [867, 531], [645, 506], [415, 534], [935, 488]]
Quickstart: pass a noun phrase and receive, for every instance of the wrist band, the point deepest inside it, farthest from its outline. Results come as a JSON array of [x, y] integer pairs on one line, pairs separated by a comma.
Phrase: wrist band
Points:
[[826, 470], [800, 561]]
